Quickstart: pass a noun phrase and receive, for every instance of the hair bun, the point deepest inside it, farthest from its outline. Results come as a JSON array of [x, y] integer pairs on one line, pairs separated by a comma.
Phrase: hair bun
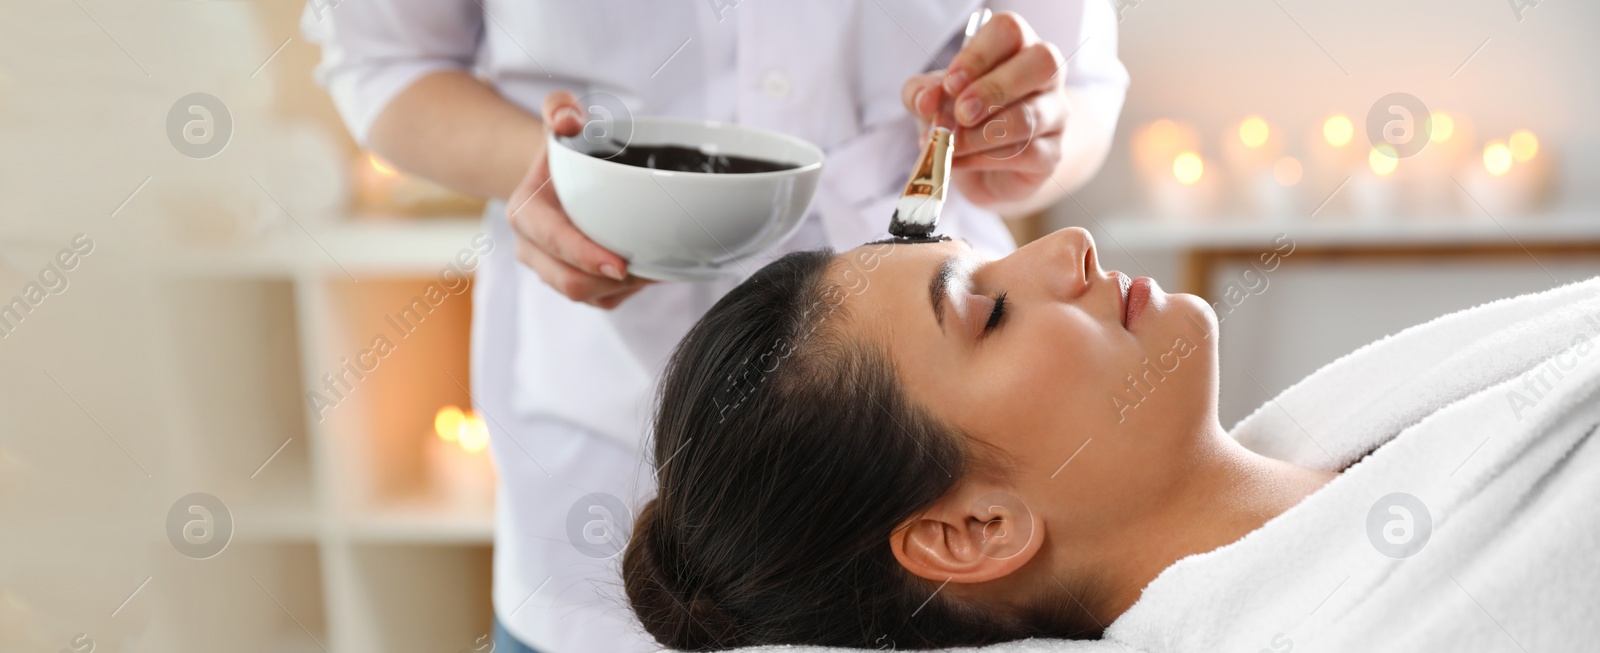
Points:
[[674, 609]]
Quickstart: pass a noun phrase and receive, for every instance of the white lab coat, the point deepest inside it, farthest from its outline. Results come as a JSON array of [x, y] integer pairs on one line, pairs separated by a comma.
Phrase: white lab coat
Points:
[[569, 387]]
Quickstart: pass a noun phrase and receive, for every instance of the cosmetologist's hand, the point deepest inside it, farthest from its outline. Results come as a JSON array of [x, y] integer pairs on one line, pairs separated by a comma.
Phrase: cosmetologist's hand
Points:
[[548, 242], [1011, 109]]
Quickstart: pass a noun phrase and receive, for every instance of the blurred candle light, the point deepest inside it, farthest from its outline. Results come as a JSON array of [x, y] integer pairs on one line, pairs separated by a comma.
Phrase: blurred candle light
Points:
[[1164, 132], [1524, 145], [382, 189], [466, 429], [1453, 143], [461, 473], [1510, 175], [1331, 157], [1174, 189], [1156, 144], [1248, 149], [1383, 160], [1497, 158], [1287, 171], [380, 165], [1441, 127], [1373, 196], [1513, 179], [1253, 132], [447, 423], [1245, 162], [474, 434], [1338, 130], [1187, 167], [1428, 189]]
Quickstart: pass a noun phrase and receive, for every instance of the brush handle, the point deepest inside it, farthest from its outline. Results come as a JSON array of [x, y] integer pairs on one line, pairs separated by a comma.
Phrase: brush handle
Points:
[[946, 117]]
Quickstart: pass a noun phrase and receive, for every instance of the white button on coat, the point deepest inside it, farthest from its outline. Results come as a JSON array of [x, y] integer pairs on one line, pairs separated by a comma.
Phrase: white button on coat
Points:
[[569, 385], [775, 85]]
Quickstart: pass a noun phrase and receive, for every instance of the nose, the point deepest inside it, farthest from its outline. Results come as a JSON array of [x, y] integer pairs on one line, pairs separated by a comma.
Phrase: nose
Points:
[[1064, 262]]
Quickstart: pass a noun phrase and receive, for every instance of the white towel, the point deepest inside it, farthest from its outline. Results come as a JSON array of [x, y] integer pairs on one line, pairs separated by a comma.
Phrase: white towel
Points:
[[1485, 419]]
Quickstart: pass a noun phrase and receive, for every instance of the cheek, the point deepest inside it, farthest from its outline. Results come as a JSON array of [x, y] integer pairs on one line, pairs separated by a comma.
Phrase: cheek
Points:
[[1042, 383]]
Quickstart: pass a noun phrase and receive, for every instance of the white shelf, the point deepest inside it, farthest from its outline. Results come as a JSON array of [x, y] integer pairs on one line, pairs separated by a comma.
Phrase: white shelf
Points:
[[423, 520], [346, 497], [1146, 233]]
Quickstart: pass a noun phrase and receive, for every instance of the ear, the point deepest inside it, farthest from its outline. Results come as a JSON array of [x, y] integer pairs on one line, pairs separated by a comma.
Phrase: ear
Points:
[[969, 536]]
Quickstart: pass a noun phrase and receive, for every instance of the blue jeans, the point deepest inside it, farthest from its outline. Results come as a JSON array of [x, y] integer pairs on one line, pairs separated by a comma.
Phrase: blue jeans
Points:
[[505, 642]]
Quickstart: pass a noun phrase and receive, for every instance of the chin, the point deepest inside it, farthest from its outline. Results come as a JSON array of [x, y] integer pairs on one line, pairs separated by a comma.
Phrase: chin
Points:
[[1195, 314], [1175, 315]]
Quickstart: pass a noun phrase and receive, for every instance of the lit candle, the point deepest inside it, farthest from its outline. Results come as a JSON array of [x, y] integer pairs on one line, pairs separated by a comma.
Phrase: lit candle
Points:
[[1332, 156], [1425, 175], [1510, 177], [1372, 192], [1251, 146], [1338, 130], [1523, 145], [1254, 131], [1532, 171], [1497, 158], [1251, 149], [1383, 160], [1276, 191], [1189, 188], [461, 473], [1156, 144], [1176, 179], [1188, 168]]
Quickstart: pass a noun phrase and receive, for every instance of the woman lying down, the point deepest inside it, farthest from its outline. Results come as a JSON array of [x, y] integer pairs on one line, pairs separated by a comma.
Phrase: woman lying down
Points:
[[906, 447]]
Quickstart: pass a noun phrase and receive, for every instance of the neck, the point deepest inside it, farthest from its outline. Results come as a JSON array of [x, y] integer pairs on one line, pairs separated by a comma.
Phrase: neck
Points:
[[1228, 492]]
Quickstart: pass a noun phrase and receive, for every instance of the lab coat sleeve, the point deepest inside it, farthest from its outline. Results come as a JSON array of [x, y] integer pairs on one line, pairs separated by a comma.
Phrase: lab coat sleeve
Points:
[[373, 49], [1086, 33]]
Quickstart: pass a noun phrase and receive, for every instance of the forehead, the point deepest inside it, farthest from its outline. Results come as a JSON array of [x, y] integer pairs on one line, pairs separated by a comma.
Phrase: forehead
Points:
[[890, 280], [886, 263]]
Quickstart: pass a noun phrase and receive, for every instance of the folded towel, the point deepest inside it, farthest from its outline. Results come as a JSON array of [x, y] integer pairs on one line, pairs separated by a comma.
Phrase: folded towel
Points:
[[1464, 519]]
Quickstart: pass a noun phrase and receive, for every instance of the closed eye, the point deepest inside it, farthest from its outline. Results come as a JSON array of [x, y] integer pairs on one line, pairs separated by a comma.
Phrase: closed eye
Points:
[[996, 314]]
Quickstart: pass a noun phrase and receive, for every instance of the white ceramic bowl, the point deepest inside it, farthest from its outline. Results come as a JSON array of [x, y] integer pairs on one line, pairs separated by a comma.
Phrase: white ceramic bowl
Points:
[[686, 226]]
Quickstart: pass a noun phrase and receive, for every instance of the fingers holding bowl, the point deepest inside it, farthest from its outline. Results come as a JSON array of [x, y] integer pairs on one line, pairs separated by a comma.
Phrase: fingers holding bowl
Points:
[[575, 284], [562, 113]]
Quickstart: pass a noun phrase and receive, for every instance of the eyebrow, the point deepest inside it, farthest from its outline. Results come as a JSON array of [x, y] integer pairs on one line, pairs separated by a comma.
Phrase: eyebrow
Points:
[[939, 288]]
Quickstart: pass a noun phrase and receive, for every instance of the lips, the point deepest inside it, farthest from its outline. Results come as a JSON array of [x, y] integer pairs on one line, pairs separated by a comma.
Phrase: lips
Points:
[[1123, 283], [1138, 297]]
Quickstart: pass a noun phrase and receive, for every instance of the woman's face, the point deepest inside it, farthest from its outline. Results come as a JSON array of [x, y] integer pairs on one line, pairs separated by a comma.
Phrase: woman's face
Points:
[[1098, 386]]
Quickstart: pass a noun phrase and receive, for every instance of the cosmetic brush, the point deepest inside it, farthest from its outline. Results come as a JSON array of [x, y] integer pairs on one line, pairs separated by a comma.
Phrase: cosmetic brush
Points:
[[917, 213]]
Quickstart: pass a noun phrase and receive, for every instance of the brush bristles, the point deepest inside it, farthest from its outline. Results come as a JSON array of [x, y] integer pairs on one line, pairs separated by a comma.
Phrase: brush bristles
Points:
[[915, 216]]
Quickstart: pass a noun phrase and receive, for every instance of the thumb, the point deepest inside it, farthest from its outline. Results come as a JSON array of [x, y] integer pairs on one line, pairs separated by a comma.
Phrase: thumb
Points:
[[562, 114]]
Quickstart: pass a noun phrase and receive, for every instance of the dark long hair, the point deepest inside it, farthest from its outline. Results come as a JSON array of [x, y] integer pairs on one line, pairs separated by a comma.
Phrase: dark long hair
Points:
[[786, 455]]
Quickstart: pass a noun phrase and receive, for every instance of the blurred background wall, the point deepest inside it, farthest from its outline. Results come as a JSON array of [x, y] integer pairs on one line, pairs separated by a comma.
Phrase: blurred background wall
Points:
[[166, 484], [1296, 62]]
